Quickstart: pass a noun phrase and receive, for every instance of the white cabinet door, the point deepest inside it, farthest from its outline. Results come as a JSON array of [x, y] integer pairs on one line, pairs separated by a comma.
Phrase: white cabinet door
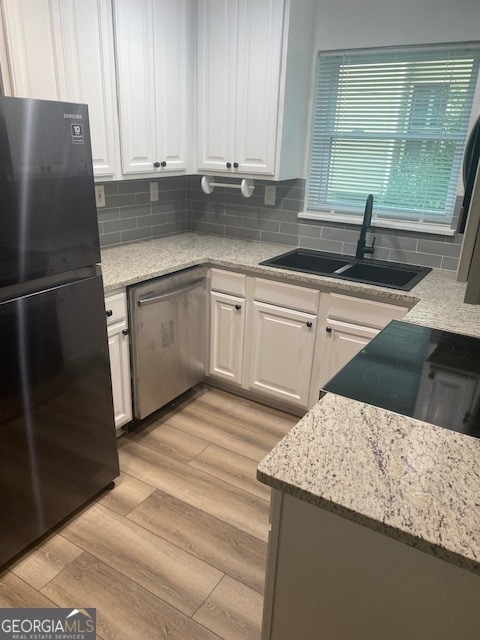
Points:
[[5, 80], [88, 54], [36, 71], [348, 324], [119, 349], [120, 371], [239, 57], [259, 50], [151, 46], [281, 352], [343, 342], [170, 55], [63, 50], [227, 330], [216, 82]]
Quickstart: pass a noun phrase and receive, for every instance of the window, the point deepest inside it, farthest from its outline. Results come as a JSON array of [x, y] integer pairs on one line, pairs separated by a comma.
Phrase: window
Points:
[[394, 124]]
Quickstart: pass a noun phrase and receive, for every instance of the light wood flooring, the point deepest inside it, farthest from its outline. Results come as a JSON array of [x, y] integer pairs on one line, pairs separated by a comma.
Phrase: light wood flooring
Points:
[[177, 549]]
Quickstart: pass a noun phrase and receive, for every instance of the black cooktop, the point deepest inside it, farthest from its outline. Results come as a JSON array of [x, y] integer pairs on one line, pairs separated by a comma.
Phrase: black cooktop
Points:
[[424, 373]]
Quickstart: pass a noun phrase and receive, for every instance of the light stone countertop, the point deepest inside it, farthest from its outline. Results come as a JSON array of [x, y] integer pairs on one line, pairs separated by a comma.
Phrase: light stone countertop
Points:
[[412, 481], [437, 300]]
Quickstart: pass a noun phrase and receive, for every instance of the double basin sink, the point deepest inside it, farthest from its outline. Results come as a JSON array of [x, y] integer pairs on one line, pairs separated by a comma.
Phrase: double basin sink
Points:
[[368, 271]]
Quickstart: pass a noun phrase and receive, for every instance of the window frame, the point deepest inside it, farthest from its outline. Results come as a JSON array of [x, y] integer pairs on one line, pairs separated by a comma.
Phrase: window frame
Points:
[[424, 223]]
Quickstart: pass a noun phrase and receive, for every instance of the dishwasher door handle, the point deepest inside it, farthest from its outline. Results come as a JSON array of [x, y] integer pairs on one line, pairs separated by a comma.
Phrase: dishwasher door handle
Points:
[[171, 294]]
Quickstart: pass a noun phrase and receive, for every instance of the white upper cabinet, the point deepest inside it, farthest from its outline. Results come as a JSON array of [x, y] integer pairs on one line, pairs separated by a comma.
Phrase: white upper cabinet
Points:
[[239, 106], [216, 82], [30, 38], [251, 116], [5, 88], [63, 50], [259, 50], [151, 53], [88, 54]]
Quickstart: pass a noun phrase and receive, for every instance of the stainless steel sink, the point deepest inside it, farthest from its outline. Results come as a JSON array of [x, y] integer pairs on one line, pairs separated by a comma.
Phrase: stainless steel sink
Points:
[[393, 275]]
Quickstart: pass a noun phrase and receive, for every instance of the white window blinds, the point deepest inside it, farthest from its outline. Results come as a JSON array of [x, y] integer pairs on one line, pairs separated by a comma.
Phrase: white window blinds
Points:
[[392, 124]]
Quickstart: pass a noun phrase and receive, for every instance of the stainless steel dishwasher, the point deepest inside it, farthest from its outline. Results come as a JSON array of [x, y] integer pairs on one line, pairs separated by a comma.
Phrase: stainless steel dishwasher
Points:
[[167, 320]]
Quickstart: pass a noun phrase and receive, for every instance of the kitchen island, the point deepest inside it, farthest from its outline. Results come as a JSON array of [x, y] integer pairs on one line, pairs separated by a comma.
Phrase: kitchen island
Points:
[[405, 482], [375, 528]]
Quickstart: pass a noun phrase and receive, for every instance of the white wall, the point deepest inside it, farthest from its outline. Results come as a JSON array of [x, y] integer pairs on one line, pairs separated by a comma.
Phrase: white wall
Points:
[[353, 24], [348, 24]]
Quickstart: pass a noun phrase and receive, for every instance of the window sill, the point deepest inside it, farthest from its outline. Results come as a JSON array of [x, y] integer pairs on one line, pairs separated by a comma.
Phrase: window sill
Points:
[[345, 218]]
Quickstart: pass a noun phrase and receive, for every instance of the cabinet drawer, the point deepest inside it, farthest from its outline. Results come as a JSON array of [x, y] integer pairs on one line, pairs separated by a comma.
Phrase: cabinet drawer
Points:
[[365, 312], [228, 282], [286, 295], [116, 307]]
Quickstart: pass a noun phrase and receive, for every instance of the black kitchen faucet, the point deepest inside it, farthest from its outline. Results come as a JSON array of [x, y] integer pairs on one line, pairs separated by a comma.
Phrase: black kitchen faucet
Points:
[[362, 247]]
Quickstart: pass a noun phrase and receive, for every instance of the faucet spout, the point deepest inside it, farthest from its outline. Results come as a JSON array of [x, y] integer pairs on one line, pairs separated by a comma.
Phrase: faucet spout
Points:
[[362, 247]]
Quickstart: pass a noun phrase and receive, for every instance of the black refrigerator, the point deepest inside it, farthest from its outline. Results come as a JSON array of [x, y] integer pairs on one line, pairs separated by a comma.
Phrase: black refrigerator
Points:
[[57, 435]]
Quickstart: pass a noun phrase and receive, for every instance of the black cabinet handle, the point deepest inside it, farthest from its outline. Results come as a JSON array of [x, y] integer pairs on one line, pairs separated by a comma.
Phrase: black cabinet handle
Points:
[[229, 165], [109, 313], [156, 165], [309, 324], [125, 332], [328, 329], [163, 163], [238, 307], [235, 165]]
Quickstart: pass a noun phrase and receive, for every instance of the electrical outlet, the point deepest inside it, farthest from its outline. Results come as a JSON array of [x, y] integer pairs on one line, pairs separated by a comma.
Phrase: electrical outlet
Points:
[[270, 194], [153, 191], [100, 195]]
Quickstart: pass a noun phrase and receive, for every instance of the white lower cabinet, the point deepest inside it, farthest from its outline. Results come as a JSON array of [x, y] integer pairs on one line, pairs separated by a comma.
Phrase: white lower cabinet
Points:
[[227, 319], [262, 336], [281, 352], [119, 351], [329, 577], [344, 341], [346, 325], [282, 341], [227, 325]]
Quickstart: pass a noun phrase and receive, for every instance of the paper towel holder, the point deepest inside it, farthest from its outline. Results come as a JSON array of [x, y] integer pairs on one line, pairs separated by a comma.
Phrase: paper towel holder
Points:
[[246, 186]]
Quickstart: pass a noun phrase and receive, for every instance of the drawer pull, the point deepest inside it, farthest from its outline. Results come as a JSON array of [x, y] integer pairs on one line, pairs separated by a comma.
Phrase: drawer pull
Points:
[[109, 313]]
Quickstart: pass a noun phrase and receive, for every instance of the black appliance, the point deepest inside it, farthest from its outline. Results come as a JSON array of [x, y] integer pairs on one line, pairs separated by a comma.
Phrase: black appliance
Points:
[[469, 171], [428, 374], [57, 435]]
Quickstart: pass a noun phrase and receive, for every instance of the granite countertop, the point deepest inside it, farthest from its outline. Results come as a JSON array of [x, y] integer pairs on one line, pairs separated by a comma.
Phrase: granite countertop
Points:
[[437, 301], [412, 481]]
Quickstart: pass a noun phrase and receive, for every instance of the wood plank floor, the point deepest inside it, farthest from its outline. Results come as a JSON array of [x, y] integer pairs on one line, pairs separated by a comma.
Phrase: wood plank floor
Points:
[[177, 549]]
